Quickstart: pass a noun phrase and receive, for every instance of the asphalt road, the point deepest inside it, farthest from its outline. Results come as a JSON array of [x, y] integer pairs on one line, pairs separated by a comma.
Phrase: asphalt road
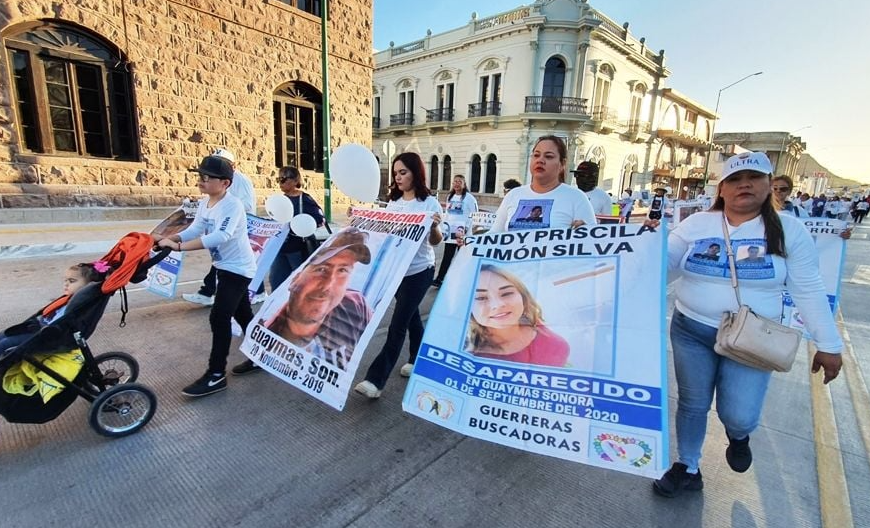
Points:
[[263, 454]]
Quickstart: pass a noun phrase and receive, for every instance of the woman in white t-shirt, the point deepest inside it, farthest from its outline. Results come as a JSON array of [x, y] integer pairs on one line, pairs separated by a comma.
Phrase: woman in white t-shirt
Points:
[[460, 205], [408, 193], [547, 202]]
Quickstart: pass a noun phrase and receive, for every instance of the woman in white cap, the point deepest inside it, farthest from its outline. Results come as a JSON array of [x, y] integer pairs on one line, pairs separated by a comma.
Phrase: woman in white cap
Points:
[[785, 254]]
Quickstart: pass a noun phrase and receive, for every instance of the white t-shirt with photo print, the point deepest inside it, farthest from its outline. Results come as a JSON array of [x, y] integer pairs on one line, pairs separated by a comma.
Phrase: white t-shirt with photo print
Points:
[[523, 208]]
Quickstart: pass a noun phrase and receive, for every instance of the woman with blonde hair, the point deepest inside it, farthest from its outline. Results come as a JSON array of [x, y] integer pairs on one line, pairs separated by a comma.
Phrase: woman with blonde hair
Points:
[[506, 323]]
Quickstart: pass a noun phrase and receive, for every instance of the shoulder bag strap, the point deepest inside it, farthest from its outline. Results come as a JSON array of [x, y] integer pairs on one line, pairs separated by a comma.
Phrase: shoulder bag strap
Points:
[[730, 252]]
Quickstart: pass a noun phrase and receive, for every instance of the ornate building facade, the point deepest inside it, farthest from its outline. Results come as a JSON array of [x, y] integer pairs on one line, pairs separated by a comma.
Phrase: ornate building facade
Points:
[[473, 100]]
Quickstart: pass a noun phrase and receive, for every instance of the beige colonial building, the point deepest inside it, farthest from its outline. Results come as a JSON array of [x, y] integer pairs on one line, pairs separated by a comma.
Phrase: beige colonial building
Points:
[[783, 148], [474, 99], [112, 102]]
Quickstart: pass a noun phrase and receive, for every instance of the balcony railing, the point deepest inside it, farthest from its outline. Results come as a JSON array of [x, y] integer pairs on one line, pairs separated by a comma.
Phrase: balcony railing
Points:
[[401, 119], [636, 126], [604, 113], [556, 105], [439, 114], [376, 123], [484, 109]]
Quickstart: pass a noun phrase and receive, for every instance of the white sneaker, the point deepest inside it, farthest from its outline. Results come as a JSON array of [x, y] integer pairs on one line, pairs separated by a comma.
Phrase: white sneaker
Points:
[[236, 327], [258, 298], [368, 389], [406, 370], [198, 299]]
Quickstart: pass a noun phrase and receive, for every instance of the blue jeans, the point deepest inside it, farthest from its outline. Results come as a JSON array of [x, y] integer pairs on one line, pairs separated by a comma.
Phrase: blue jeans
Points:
[[406, 320], [283, 266], [700, 372]]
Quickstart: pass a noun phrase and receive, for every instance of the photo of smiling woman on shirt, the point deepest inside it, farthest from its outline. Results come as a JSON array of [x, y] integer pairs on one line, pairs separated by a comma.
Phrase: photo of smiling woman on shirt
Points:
[[506, 323]]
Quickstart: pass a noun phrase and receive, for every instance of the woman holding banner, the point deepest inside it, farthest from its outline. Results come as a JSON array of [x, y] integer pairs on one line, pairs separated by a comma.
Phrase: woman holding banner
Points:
[[547, 202], [506, 323], [408, 194], [460, 205], [744, 206]]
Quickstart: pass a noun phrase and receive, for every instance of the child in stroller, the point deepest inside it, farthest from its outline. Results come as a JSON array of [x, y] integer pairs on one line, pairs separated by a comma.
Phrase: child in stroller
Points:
[[33, 391]]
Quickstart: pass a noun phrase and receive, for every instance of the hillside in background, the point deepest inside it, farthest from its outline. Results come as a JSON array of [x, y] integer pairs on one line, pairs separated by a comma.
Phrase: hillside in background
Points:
[[808, 165]]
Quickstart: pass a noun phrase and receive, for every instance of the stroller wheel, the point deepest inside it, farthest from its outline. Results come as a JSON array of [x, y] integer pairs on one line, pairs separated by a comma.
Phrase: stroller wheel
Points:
[[117, 368], [122, 410]]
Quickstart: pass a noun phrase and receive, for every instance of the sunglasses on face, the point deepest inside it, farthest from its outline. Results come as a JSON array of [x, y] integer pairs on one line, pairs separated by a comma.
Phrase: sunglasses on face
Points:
[[205, 178], [781, 189]]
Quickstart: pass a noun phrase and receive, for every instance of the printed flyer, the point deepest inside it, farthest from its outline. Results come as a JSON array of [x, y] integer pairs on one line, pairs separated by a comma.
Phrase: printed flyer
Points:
[[552, 341], [312, 330]]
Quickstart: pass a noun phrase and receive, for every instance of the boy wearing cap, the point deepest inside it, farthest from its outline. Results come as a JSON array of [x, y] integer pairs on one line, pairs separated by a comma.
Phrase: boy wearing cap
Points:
[[221, 227]]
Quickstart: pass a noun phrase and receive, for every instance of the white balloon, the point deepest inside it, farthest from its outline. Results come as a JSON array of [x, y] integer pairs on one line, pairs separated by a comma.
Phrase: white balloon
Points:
[[355, 171], [303, 225], [279, 207]]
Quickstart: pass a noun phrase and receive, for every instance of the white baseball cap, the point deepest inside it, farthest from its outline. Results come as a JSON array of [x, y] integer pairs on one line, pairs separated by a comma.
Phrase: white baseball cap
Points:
[[754, 161], [225, 154]]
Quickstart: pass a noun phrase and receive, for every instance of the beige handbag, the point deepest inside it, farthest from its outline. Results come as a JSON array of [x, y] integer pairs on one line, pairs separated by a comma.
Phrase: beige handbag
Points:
[[751, 339]]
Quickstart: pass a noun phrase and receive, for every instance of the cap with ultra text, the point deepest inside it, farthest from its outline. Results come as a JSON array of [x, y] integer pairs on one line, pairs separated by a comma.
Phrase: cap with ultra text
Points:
[[753, 161]]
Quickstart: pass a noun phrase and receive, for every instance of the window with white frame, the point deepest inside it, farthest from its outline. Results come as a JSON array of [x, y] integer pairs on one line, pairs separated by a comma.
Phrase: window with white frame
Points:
[[601, 95], [444, 102], [475, 174], [636, 111], [489, 95]]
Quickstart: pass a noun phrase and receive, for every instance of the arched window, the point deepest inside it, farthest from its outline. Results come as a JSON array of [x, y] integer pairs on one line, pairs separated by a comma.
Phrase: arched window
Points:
[[447, 173], [601, 96], [554, 85], [671, 119], [629, 169], [298, 115], [597, 155], [637, 96], [475, 174], [433, 172], [491, 168], [72, 92]]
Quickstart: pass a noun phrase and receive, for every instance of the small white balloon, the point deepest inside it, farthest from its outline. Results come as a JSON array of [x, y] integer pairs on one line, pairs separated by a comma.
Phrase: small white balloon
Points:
[[355, 171], [303, 225], [279, 207]]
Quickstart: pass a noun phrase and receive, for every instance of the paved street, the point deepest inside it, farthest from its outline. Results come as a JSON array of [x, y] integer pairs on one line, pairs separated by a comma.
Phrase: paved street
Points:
[[263, 454]]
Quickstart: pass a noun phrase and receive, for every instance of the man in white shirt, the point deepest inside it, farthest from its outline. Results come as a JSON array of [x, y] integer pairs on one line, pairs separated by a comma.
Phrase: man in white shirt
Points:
[[586, 176]]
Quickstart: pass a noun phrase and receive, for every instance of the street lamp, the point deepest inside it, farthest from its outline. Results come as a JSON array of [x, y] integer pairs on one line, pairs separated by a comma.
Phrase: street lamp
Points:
[[782, 145], [713, 128]]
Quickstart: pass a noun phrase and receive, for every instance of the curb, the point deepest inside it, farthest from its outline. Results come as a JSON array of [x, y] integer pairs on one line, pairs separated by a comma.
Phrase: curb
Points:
[[47, 250]]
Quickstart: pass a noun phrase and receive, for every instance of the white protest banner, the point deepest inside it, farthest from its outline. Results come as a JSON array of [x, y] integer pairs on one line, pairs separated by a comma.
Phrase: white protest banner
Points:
[[312, 330], [832, 256], [552, 341], [481, 222], [266, 238]]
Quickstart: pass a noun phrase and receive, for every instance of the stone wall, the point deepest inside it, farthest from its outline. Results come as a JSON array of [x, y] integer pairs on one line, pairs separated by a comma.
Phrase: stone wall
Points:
[[203, 72]]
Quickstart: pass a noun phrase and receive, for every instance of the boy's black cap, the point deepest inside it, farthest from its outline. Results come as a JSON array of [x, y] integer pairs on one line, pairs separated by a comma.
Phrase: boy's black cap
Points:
[[586, 168], [216, 167]]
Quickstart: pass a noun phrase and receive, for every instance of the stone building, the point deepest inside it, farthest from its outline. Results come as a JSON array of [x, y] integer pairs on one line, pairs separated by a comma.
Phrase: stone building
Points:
[[474, 99], [112, 102]]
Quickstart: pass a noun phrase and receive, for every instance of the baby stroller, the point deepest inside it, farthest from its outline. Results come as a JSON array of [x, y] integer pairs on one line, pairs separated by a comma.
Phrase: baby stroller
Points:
[[119, 406]]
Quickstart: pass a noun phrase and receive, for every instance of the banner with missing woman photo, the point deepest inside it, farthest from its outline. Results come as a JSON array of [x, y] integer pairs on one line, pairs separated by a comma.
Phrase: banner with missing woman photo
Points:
[[552, 341]]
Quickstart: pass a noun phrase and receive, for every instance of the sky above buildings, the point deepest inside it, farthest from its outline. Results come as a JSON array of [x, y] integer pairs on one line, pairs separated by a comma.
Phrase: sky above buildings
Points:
[[813, 55]]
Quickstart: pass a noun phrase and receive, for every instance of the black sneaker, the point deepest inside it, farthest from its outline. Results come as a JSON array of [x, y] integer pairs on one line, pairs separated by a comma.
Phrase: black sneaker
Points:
[[738, 454], [245, 367], [209, 383], [676, 480]]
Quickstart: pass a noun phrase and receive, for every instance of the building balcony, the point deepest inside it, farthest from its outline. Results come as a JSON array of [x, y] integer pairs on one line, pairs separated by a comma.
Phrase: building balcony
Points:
[[484, 109], [376, 123], [401, 119], [439, 115], [556, 105], [681, 137], [637, 130], [605, 119]]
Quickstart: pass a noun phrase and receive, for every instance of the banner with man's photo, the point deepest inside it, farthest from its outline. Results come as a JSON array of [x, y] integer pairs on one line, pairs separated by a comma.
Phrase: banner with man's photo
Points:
[[552, 341], [312, 330], [832, 255]]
